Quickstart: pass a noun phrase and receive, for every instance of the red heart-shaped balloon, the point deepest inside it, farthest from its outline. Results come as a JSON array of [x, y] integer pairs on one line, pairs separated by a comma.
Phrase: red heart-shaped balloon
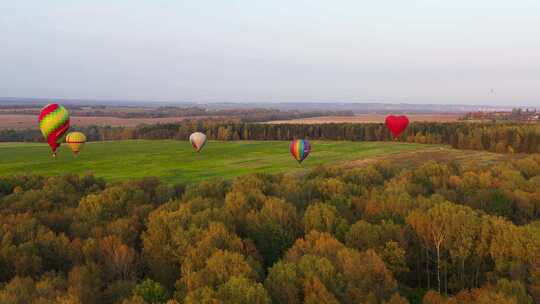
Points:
[[396, 124]]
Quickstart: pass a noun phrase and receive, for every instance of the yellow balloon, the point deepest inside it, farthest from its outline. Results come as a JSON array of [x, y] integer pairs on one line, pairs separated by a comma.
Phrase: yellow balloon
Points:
[[75, 140]]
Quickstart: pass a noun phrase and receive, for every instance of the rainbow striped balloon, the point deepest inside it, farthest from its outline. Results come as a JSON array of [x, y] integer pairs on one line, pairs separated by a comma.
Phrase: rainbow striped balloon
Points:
[[54, 123], [300, 149]]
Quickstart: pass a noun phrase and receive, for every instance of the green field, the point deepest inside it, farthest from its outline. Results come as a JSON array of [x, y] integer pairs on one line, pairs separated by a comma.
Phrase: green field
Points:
[[175, 161]]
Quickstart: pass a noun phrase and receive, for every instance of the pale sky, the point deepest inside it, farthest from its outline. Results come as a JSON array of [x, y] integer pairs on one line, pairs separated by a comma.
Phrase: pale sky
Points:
[[412, 51]]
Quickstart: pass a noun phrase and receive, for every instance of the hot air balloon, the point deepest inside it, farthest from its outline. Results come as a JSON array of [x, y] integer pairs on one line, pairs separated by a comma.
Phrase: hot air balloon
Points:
[[54, 123], [397, 124], [300, 149], [75, 140], [198, 140]]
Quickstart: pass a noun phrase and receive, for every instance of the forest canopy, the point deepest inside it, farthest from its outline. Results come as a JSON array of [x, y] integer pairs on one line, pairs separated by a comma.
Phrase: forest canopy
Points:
[[433, 233]]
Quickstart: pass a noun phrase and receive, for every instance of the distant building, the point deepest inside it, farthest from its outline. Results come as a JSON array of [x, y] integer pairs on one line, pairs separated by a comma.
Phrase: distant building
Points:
[[516, 115]]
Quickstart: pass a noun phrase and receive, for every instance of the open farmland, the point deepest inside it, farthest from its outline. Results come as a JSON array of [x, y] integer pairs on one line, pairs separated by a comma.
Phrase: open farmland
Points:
[[369, 118], [175, 161], [24, 121], [21, 121]]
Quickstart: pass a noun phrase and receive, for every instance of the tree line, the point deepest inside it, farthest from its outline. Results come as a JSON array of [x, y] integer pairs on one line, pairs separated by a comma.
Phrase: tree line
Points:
[[434, 233], [243, 115], [500, 138]]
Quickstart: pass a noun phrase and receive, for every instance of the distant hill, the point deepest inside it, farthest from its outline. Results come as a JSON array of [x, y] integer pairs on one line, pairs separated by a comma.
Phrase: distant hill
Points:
[[357, 108]]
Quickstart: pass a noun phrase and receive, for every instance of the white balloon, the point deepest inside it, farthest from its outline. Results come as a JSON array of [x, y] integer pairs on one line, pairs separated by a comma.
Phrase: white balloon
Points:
[[198, 140]]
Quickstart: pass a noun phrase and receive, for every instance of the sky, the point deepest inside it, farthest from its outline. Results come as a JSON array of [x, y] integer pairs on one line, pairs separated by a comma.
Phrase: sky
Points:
[[484, 52]]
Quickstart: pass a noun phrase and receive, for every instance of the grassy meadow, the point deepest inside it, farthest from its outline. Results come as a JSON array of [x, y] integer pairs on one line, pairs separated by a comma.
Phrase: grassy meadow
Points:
[[175, 161]]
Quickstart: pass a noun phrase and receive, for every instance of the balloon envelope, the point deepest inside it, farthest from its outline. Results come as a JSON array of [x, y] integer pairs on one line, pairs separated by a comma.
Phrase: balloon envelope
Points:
[[198, 140], [300, 149], [75, 140], [396, 124], [53, 123]]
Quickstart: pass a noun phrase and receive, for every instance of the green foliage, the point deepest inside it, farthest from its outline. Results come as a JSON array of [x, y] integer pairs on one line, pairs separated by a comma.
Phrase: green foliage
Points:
[[239, 290], [151, 292], [324, 218]]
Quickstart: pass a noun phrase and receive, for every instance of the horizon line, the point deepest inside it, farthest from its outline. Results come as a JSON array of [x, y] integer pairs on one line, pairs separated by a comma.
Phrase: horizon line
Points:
[[94, 100]]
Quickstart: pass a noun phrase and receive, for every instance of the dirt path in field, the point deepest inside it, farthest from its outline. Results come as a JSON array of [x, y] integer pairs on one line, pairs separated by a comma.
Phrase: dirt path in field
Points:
[[412, 159], [438, 154]]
